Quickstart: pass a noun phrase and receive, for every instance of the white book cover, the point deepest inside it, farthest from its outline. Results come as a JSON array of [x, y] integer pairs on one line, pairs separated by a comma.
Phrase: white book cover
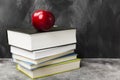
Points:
[[37, 61], [31, 41], [31, 66], [42, 53]]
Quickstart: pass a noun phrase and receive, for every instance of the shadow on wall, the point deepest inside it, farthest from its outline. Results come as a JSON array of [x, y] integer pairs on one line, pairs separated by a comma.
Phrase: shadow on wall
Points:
[[97, 23]]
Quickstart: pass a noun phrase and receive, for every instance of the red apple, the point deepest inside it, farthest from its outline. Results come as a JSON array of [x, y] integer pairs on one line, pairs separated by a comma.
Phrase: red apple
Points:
[[43, 20]]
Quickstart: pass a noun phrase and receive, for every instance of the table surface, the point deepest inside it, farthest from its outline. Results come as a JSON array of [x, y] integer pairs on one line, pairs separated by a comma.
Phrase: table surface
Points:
[[91, 69]]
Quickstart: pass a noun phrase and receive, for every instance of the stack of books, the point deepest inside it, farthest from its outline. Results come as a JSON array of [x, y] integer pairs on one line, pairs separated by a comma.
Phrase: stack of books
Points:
[[40, 54]]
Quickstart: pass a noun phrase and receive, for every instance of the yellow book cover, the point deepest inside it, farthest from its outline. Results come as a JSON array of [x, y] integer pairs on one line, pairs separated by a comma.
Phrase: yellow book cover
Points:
[[51, 69]]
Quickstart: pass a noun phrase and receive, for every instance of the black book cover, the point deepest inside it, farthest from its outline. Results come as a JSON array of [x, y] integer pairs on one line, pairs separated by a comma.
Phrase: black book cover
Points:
[[32, 30]]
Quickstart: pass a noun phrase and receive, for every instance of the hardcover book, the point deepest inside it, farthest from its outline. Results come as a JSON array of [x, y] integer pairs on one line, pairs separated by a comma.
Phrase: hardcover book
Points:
[[31, 40], [42, 53], [37, 61], [51, 69], [31, 66]]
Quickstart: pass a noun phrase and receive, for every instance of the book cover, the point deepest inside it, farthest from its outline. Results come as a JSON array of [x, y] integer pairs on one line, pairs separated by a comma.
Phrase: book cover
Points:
[[32, 66], [22, 58], [30, 40], [34, 31], [51, 69], [41, 53]]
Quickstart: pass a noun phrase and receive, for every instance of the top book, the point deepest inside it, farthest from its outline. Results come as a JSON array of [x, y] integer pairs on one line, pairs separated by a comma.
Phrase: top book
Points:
[[30, 39]]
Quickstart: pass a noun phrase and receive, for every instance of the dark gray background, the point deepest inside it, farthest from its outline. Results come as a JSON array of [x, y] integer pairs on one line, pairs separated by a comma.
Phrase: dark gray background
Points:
[[97, 23]]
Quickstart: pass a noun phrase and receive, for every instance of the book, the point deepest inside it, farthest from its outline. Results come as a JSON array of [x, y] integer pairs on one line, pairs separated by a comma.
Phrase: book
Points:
[[31, 40], [51, 69], [37, 61], [31, 66], [42, 53]]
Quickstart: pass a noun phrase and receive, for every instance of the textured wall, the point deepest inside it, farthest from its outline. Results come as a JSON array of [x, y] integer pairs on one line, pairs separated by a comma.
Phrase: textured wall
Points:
[[12, 13], [99, 35], [97, 23]]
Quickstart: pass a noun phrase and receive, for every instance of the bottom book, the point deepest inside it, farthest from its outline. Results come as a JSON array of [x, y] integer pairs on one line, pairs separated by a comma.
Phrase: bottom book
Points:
[[51, 69]]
